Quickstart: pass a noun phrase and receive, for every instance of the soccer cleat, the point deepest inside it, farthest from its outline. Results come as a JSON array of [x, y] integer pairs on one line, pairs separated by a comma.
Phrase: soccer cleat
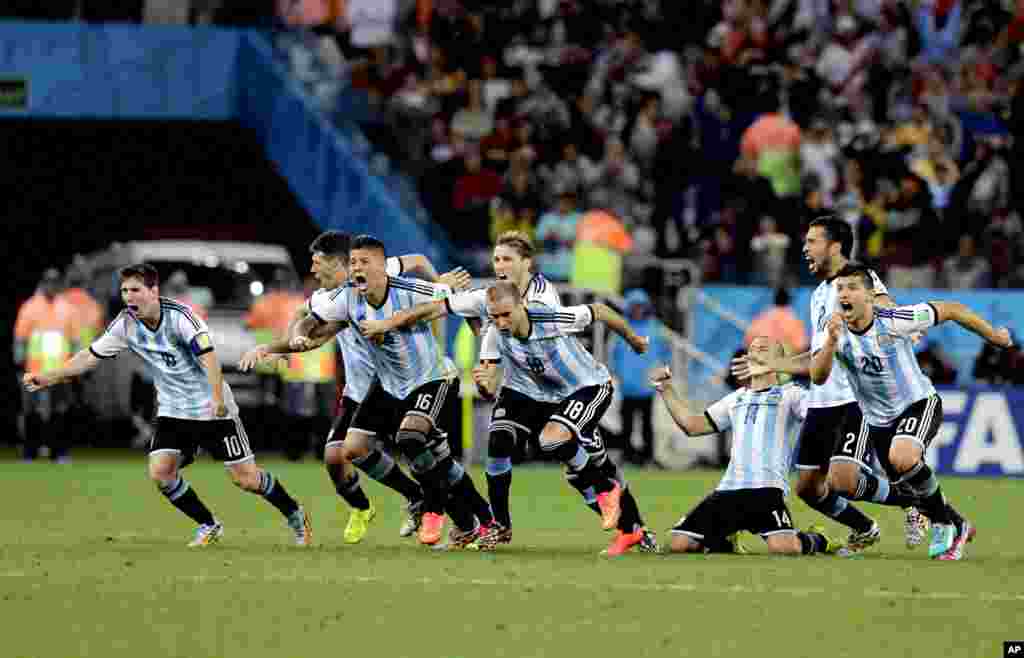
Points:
[[858, 541], [610, 505], [429, 532], [358, 524], [623, 542], [943, 537], [915, 527], [833, 546], [736, 539], [956, 551], [414, 512], [207, 534], [302, 527], [488, 537], [463, 539], [649, 542]]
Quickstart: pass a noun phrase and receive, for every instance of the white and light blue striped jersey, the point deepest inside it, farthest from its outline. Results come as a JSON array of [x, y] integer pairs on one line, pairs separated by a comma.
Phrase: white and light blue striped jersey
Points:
[[765, 425], [473, 303], [550, 364], [407, 358], [881, 363], [360, 368], [171, 355], [836, 389]]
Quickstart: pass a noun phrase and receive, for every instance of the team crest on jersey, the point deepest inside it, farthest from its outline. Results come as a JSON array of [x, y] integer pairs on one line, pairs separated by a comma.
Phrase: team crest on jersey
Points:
[[499, 413]]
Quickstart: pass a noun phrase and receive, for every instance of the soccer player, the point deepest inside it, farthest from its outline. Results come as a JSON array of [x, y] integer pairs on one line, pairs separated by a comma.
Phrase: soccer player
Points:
[[902, 412], [830, 463], [330, 252], [195, 406], [414, 387], [764, 419], [513, 262], [560, 392]]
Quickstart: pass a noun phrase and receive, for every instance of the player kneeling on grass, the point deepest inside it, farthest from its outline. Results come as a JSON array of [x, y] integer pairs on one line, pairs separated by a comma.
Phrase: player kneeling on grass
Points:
[[195, 406], [765, 419]]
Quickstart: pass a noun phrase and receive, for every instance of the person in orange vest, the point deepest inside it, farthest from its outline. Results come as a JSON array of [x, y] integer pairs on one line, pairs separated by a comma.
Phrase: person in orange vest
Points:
[[43, 340], [87, 324], [780, 323]]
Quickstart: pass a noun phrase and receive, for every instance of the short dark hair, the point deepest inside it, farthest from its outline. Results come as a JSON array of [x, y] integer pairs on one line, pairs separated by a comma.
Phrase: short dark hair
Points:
[[367, 242], [150, 277], [860, 270], [836, 230], [331, 243], [782, 297]]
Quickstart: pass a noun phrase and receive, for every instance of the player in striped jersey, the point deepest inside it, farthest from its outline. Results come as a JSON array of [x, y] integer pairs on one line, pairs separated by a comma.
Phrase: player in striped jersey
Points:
[[902, 412], [414, 390], [330, 251], [195, 406], [513, 262], [829, 463], [561, 393], [765, 418]]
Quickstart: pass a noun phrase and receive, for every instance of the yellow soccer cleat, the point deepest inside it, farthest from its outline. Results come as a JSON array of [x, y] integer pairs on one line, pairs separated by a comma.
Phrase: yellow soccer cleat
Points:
[[358, 524]]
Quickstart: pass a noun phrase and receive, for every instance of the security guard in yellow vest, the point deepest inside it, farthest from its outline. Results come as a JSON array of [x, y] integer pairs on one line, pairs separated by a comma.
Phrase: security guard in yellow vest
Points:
[[43, 340]]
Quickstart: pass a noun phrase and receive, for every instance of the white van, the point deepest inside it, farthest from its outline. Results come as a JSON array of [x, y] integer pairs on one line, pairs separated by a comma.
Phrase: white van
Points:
[[224, 277]]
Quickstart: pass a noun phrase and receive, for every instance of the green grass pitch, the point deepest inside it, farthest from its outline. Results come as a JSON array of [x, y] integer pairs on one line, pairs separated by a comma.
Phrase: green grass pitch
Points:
[[93, 563]]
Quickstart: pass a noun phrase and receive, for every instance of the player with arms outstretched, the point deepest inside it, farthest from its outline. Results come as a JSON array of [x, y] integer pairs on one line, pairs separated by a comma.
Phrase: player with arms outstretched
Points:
[[902, 411], [195, 406], [764, 418]]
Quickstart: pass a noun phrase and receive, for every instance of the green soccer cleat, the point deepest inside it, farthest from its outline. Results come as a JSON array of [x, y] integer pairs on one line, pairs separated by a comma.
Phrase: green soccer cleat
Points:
[[358, 524], [832, 545], [736, 539]]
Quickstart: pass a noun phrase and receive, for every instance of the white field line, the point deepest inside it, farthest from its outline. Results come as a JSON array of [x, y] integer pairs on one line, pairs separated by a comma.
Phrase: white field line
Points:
[[683, 588]]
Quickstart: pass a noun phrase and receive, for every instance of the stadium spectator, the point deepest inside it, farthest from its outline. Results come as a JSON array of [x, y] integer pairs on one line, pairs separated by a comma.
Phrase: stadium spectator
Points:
[[966, 269], [779, 323], [556, 233], [633, 372]]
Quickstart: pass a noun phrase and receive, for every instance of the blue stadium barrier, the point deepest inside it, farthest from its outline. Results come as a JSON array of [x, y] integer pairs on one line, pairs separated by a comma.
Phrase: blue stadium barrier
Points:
[[720, 339]]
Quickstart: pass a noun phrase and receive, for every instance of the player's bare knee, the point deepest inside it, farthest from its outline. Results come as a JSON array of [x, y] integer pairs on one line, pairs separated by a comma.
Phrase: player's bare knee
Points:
[[784, 544], [904, 456], [554, 433], [843, 477], [811, 486], [247, 479], [333, 456], [353, 451], [683, 544], [417, 423], [162, 470]]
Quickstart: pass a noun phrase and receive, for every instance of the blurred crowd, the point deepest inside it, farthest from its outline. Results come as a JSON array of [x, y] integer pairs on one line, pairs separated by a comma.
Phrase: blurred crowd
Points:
[[713, 130]]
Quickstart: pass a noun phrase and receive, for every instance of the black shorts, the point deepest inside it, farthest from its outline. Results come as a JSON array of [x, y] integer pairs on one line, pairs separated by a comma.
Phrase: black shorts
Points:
[[342, 420], [832, 434], [224, 438], [380, 414], [920, 423], [581, 414], [760, 511]]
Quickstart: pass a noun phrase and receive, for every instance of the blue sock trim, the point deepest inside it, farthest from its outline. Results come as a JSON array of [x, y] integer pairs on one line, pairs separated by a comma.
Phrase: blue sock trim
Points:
[[498, 465], [590, 495], [839, 506], [579, 460], [173, 489], [883, 491], [455, 472], [267, 483]]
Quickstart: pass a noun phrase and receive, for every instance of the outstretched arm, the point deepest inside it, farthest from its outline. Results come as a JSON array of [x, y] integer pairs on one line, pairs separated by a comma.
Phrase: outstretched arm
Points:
[[81, 363], [692, 424], [618, 324], [425, 312], [971, 321]]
